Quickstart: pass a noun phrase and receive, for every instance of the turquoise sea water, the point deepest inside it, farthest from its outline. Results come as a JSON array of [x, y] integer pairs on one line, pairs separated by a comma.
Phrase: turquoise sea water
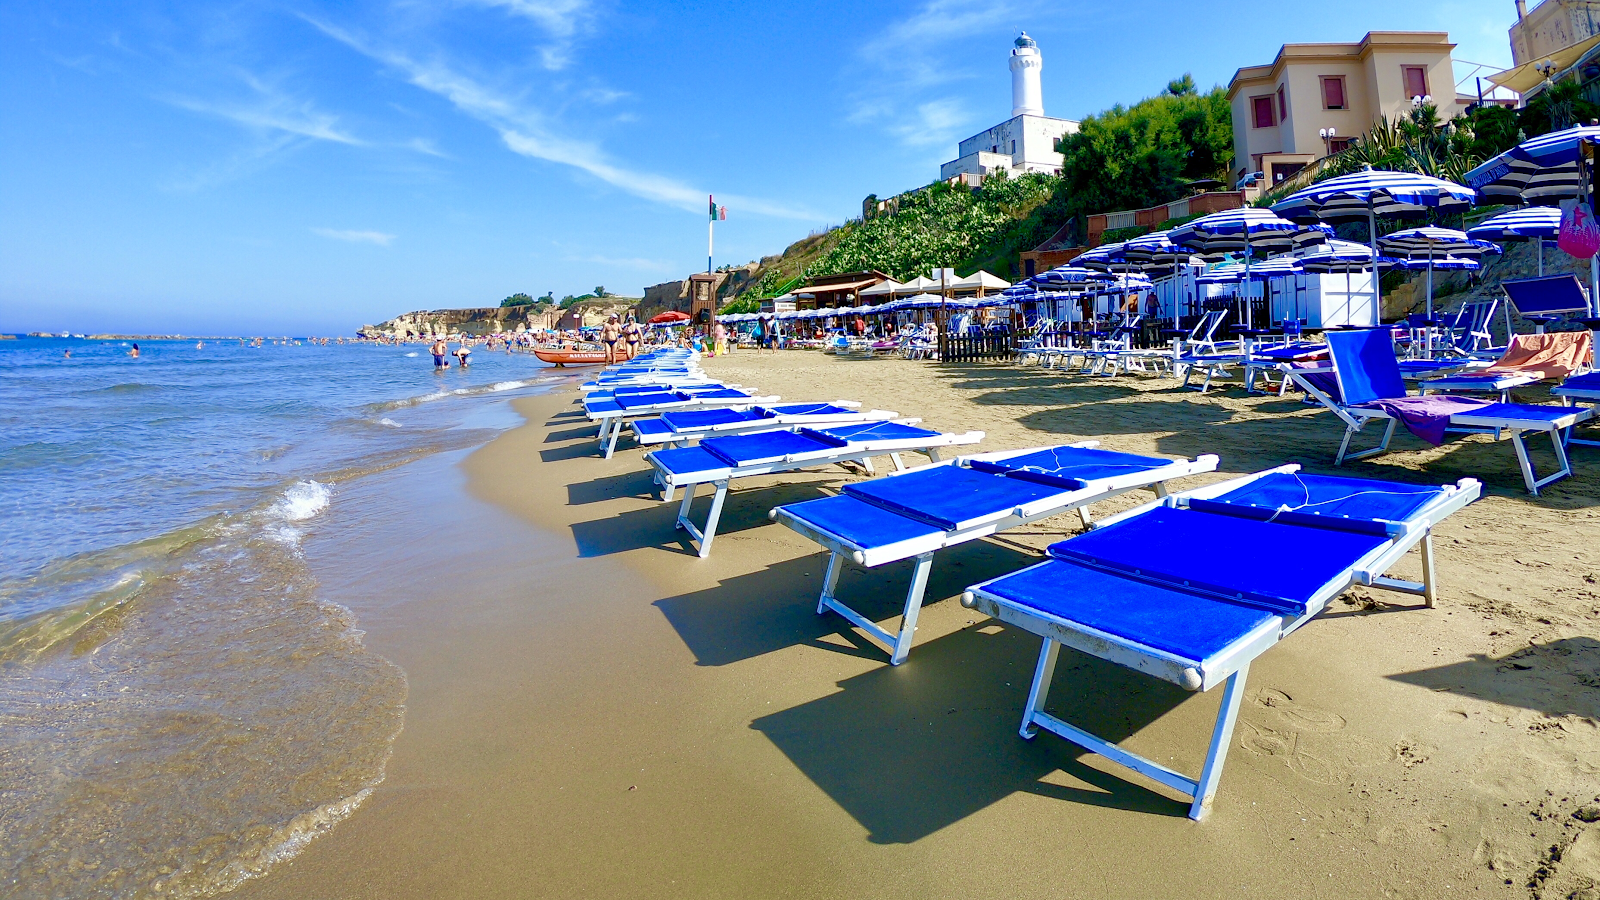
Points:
[[178, 707]]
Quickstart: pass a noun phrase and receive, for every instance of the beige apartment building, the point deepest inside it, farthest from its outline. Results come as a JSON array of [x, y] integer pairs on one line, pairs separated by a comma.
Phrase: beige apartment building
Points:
[[1281, 110]]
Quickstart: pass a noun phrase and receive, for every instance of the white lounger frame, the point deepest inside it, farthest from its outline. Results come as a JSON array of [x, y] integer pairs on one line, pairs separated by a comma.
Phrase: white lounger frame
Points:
[[612, 420], [688, 435], [1231, 666], [899, 643], [719, 479], [1356, 418]]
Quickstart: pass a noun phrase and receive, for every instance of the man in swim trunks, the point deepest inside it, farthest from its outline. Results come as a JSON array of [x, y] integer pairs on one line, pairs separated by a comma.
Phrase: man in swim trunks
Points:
[[610, 336], [631, 332], [438, 349]]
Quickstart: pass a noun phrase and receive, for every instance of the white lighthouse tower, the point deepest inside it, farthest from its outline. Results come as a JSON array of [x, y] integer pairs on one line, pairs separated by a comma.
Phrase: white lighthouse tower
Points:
[[1024, 143], [1026, 98]]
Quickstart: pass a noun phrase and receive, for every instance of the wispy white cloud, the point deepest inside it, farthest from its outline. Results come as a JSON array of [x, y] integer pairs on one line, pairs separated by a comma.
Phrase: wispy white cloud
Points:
[[355, 237], [426, 148], [915, 59], [304, 122], [561, 21], [527, 131], [651, 265]]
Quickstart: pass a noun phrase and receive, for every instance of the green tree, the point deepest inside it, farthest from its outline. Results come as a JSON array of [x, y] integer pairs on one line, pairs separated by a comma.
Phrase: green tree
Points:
[[518, 299], [1145, 154], [600, 292]]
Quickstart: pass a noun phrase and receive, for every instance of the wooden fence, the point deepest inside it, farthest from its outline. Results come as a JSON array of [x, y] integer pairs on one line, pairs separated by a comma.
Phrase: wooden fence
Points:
[[968, 348]]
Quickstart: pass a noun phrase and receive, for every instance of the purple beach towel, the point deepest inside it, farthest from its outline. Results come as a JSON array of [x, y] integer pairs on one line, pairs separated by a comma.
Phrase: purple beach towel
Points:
[[1426, 417]]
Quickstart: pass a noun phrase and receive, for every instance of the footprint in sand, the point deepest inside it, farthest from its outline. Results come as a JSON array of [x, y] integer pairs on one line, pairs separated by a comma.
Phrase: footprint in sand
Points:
[[1410, 752], [1285, 745], [1298, 715]]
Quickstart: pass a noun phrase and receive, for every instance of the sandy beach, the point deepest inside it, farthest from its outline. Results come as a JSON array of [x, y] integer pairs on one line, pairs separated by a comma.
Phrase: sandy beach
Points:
[[595, 712]]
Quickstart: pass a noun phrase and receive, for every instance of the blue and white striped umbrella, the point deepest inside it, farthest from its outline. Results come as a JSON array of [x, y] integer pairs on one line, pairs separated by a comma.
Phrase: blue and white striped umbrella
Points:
[[1106, 258], [1233, 273], [1237, 230], [1343, 257], [1374, 193], [1519, 225], [1425, 246], [1155, 247], [1245, 231], [1433, 241], [1538, 168], [1066, 275], [1531, 223]]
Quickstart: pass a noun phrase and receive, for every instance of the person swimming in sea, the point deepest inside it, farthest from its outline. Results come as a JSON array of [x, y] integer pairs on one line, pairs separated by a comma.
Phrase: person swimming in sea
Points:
[[438, 349], [464, 355], [134, 352]]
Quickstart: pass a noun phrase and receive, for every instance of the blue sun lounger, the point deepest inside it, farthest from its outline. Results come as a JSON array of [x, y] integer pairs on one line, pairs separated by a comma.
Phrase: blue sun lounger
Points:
[[1172, 590], [613, 413], [1578, 389], [922, 511], [676, 429], [719, 461], [1366, 371]]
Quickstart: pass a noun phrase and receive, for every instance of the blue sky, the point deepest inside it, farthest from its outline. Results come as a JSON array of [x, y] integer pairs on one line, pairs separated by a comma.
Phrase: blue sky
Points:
[[303, 167]]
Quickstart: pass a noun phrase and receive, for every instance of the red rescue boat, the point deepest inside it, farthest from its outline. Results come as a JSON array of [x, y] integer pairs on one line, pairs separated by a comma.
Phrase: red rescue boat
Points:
[[560, 357]]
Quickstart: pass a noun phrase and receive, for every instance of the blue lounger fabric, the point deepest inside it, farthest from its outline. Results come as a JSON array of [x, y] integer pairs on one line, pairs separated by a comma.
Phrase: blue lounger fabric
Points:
[[1182, 623], [655, 398], [803, 409], [1071, 468], [870, 431], [684, 460], [947, 496], [1587, 382], [1522, 412], [1199, 551], [863, 524], [762, 447], [651, 427], [1324, 501], [1366, 365], [706, 418]]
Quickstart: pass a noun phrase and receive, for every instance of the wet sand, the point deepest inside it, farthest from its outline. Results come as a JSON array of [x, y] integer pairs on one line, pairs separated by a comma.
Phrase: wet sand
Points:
[[595, 712]]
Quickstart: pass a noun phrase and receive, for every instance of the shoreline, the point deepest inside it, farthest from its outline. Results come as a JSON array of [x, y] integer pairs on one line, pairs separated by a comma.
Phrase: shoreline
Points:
[[599, 713]]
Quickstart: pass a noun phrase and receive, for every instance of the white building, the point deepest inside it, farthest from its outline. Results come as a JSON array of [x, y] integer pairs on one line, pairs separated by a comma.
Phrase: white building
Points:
[[1026, 142]]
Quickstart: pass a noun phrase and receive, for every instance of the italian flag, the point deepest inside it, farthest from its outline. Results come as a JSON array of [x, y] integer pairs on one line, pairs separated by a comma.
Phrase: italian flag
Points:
[[718, 213]]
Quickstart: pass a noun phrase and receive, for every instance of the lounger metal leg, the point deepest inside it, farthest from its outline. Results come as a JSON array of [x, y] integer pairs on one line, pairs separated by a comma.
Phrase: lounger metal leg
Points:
[[1042, 673], [866, 464], [1430, 591], [899, 464], [908, 619], [1221, 737], [830, 581], [611, 444], [710, 532], [1350, 431], [683, 509], [1083, 513]]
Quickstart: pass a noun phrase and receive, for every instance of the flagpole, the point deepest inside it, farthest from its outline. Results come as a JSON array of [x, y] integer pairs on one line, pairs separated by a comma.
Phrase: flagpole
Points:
[[711, 228]]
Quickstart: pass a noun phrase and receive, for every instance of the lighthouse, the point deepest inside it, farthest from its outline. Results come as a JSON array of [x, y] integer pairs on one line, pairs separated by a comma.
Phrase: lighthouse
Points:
[[1024, 143], [1026, 98]]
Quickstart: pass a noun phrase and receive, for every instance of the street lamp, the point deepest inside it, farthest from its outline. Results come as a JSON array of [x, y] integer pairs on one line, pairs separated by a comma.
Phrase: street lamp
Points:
[[1327, 135]]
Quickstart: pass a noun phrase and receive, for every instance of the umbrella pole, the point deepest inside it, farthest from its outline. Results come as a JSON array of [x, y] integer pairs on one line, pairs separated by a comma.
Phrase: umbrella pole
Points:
[[1541, 256], [1372, 239], [1245, 288], [1430, 303]]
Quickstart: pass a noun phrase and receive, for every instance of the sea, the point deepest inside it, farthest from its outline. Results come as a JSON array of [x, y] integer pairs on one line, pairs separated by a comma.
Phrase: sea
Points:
[[179, 708]]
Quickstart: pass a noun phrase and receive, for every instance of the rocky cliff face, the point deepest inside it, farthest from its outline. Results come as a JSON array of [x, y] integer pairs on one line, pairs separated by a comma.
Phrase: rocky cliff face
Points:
[[479, 321]]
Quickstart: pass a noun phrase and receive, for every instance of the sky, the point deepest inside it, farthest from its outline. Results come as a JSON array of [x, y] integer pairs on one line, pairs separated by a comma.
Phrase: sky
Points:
[[289, 166]]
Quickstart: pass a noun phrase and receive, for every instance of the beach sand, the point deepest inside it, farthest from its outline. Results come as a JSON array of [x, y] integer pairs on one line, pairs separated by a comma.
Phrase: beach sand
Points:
[[595, 712]]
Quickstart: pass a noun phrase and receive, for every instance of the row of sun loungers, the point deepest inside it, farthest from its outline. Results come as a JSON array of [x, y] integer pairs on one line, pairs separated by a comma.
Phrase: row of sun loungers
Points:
[[1161, 588]]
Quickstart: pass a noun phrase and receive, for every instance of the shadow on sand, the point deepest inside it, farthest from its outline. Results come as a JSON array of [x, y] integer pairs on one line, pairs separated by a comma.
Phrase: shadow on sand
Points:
[[776, 607], [1561, 678], [908, 750]]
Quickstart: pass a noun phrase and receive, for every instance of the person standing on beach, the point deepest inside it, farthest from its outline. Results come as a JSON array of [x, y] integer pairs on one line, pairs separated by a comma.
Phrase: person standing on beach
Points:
[[610, 334], [631, 332], [438, 349]]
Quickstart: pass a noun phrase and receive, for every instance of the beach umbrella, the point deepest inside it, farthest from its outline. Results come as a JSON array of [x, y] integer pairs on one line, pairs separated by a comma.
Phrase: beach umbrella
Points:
[[1544, 167], [1531, 223], [1106, 258], [1371, 194], [1066, 275], [670, 317], [1160, 256], [1431, 242], [1243, 230]]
